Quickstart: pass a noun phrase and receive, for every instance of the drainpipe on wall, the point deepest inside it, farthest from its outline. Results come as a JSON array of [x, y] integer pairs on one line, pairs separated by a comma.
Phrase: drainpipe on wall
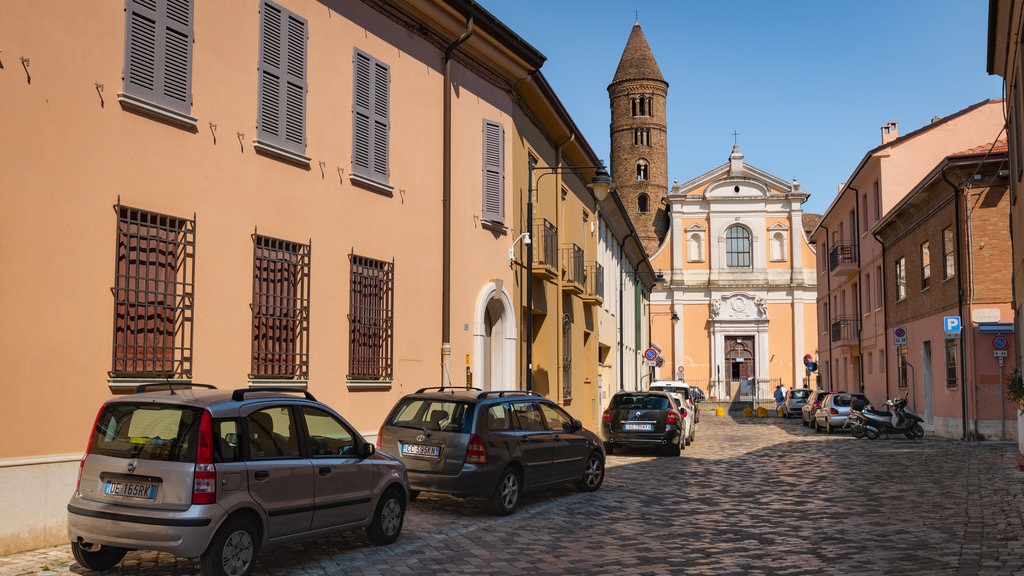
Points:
[[885, 321], [860, 286], [446, 196], [828, 309], [960, 303]]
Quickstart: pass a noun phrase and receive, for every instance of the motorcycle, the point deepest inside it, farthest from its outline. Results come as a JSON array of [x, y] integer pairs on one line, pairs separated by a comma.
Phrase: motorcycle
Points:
[[896, 419]]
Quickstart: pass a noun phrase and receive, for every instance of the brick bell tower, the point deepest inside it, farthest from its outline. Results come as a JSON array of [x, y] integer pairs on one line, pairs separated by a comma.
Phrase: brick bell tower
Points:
[[639, 142]]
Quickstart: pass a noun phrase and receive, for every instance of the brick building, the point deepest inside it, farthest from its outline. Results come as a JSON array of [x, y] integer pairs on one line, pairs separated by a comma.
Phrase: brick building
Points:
[[945, 256]]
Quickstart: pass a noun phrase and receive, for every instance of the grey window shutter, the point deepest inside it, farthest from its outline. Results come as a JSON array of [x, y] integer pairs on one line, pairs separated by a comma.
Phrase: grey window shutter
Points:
[[158, 52], [282, 96], [370, 117], [494, 172]]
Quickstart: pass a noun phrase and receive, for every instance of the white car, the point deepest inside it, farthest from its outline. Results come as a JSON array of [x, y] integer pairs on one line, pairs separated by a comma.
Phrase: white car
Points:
[[692, 398], [689, 424]]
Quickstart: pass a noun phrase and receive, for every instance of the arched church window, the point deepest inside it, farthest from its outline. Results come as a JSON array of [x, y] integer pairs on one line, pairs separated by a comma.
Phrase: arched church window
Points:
[[737, 247], [643, 204]]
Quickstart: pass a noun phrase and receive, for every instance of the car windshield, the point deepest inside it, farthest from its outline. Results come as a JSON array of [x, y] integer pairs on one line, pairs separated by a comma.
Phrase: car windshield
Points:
[[430, 414], [147, 432], [629, 401]]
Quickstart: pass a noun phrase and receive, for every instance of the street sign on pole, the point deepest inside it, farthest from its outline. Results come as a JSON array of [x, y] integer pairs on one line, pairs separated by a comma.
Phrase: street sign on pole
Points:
[[899, 336], [951, 326]]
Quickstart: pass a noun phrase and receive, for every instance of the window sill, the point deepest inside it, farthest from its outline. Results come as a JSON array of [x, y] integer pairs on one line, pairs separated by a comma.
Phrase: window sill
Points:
[[298, 384], [371, 185], [498, 227], [127, 385], [368, 384], [275, 151], [133, 103]]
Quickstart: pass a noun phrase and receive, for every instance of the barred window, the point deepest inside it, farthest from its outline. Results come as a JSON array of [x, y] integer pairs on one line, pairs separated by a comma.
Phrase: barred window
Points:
[[280, 309], [901, 367], [371, 319], [951, 363], [153, 295], [901, 279]]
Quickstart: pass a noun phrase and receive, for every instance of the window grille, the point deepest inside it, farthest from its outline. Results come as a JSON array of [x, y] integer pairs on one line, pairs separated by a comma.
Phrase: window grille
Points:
[[153, 295], [951, 346], [566, 357], [280, 309], [371, 319], [737, 247]]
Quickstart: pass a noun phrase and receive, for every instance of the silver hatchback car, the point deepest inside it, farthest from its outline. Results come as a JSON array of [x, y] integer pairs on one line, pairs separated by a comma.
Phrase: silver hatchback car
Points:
[[218, 474]]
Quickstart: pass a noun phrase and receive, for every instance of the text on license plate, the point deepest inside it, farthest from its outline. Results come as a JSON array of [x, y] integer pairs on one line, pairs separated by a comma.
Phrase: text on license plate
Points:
[[130, 489], [638, 426], [421, 450]]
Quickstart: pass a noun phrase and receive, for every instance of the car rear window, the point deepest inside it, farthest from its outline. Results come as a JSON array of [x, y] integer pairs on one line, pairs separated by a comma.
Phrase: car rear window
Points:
[[647, 402], [430, 414], [147, 432], [801, 394]]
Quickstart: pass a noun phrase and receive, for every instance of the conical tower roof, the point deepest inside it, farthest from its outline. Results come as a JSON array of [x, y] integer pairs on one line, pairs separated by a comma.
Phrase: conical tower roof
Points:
[[637, 62]]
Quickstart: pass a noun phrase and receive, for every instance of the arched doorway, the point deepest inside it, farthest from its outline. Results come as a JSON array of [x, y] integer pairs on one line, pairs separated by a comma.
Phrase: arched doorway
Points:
[[740, 365], [493, 362]]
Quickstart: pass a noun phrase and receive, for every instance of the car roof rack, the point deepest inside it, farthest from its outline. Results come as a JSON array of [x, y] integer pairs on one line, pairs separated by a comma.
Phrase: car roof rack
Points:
[[171, 386], [240, 394], [452, 389], [503, 393]]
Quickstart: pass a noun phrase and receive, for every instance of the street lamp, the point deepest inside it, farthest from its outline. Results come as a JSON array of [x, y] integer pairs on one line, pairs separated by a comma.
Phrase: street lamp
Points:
[[599, 185]]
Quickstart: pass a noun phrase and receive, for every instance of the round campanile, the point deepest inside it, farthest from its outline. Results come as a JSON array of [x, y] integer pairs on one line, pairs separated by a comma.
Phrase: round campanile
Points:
[[639, 142]]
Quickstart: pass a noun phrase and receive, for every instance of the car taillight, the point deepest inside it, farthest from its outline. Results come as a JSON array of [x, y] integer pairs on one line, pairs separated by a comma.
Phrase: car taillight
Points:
[[607, 418], [204, 480], [379, 433], [88, 448], [476, 452], [833, 411], [672, 417]]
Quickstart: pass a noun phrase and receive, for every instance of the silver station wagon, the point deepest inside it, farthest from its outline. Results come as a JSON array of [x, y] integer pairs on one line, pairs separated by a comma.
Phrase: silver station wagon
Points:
[[218, 474]]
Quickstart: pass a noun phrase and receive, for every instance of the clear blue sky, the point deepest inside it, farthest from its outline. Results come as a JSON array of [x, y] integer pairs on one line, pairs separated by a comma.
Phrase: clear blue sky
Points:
[[808, 84]]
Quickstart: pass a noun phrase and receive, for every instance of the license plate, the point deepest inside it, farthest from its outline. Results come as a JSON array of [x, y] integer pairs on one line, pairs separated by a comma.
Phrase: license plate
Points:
[[130, 490], [647, 426], [421, 450]]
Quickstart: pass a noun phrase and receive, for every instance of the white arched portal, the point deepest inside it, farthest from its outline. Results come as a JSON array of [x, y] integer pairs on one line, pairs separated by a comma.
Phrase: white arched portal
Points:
[[494, 340]]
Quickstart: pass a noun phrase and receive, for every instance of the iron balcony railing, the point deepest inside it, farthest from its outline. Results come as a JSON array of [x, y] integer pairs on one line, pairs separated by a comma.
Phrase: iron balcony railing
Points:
[[575, 267], [545, 244], [845, 330], [843, 255], [595, 280]]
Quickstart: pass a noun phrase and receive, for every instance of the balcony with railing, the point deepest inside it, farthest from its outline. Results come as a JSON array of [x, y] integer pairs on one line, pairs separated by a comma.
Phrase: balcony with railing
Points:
[[844, 258], [593, 291], [545, 249], [846, 331], [574, 269]]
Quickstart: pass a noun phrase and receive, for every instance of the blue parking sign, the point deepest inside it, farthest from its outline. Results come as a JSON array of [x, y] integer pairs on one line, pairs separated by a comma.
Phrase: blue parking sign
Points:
[[951, 323]]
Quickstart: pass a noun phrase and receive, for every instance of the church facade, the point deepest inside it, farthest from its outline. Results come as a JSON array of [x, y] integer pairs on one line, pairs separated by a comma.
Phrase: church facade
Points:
[[735, 312]]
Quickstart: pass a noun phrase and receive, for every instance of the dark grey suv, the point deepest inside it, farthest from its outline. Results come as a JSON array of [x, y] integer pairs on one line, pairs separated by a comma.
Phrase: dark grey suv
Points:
[[643, 419], [495, 444], [217, 474]]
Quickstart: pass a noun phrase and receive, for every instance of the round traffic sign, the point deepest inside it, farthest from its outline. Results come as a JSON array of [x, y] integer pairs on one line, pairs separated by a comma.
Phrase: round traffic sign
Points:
[[650, 354], [900, 332], [807, 359], [1000, 342]]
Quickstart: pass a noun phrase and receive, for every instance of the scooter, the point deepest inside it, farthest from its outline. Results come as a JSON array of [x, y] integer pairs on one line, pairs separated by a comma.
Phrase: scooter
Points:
[[896, 419]]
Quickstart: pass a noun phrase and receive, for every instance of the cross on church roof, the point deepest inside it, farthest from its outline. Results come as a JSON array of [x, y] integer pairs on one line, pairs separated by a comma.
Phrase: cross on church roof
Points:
[[734, 137], [636, 16]]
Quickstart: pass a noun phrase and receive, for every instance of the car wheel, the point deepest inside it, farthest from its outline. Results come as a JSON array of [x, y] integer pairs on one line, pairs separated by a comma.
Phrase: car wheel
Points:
[[674, 449], [593, 474], [232, 552], [95, 557], [505, 499], [387, 519], [804, 420], [828, 426]]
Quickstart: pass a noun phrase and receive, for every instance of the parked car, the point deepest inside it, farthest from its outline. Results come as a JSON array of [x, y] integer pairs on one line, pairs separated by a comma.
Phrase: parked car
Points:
[[643, 419], [794, 402], [493, 444], [834, 409], [218, 474], [693, 396], [811, 405], [689, 426]]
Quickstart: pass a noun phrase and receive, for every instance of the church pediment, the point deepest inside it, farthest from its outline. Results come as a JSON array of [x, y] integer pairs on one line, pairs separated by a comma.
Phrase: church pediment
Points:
[[733, 188], [740, 306]]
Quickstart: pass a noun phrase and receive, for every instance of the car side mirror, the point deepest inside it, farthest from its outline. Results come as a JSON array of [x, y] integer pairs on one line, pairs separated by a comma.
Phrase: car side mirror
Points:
[[366, 450], [573, 425]]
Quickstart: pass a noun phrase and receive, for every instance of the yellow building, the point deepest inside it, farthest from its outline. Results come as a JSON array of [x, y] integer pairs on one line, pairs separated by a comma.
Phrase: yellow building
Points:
[[318, 194], [737, 315]]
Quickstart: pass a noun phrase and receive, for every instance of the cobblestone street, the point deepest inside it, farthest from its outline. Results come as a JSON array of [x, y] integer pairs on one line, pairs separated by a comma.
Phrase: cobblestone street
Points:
[[750, 496]]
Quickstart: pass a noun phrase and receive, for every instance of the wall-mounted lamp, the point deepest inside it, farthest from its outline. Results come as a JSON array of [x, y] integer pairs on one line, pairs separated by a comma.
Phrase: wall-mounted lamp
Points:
[[675, 316]]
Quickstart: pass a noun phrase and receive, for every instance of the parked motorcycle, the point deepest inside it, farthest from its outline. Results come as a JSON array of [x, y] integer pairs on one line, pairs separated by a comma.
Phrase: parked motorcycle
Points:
[[896, 419]]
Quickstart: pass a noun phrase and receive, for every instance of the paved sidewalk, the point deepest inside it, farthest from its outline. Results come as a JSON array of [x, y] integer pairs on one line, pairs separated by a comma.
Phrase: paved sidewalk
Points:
[[750, 496]]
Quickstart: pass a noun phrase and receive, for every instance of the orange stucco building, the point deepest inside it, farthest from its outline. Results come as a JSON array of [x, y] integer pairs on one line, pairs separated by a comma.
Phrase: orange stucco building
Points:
[[318, 194]]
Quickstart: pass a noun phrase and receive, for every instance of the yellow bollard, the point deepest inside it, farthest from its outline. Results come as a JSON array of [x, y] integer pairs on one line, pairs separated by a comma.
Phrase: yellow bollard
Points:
[[719, 411], [747, 412], [762, 412]]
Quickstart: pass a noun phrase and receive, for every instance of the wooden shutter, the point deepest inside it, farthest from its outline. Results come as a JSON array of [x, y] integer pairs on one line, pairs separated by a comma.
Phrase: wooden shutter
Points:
[[158, 52], [282, 97], [494, 172], [370, 117]]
